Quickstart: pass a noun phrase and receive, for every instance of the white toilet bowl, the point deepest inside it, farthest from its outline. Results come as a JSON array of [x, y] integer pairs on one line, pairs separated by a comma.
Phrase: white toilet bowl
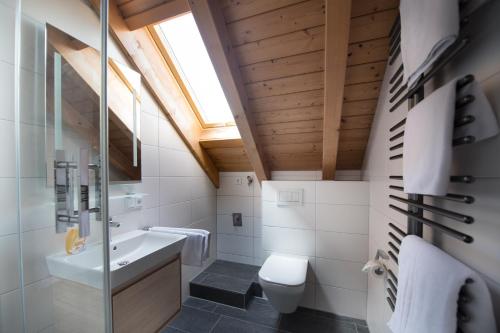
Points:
[[283, 279]]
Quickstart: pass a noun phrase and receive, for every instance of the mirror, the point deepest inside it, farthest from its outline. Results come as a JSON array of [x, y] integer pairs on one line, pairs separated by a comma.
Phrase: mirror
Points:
[[72, 104]]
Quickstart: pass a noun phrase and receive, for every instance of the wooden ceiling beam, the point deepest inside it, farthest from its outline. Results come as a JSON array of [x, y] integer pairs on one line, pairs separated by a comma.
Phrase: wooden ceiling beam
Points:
[[338, 13], [142, 51], [210, 20], [155, 14]]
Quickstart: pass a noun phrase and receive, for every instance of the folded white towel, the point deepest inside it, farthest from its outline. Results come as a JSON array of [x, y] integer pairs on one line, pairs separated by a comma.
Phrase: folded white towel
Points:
[[485, 124], [429, 282], [427, 149], [429, 133], [428, 28], [196, 247]]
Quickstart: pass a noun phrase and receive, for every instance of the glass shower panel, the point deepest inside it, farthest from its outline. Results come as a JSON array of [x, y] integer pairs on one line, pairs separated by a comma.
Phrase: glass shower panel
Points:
[[11, 314], [61, 229]]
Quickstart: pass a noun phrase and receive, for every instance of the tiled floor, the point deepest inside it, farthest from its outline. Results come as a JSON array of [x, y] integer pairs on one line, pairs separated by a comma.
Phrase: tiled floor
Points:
[[199, 316]]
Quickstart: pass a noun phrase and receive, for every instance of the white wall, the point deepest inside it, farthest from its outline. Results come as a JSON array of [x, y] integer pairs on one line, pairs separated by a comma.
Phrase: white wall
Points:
[[239, 244], [179, 192], [331, 229], [480, 160]]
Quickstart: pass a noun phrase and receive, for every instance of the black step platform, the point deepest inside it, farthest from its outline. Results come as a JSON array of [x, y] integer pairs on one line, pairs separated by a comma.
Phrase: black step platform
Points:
[[227, 283]]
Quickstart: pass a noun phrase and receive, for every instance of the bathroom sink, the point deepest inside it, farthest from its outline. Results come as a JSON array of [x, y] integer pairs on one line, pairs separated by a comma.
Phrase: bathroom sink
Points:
[[131, 254]]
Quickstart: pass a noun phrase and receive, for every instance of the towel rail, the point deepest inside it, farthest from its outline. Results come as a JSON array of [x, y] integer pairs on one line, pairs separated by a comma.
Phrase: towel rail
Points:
[[391, 303], [396, 84], [436, 210], [394, 238], [449, 231], [398, 125], [397, 136], [399, 231], [450, 196], [393, 276], [453, 179], [393, 247], [391, 295], [396, 74], [393, 256], [399, 145], [452, 51], [393, 286]]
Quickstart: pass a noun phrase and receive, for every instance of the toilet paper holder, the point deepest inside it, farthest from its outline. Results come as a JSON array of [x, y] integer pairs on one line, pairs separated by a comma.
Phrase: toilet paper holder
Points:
[[376, 265]]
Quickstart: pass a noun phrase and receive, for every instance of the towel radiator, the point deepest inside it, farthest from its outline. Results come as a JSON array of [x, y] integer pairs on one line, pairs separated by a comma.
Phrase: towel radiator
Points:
[[399, 93]]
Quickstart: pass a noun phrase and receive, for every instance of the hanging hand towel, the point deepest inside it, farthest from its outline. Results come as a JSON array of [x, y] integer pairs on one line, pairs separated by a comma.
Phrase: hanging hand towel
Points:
[[427, 149], [196, 247], [428, 28], [429, 283], [429, 133]]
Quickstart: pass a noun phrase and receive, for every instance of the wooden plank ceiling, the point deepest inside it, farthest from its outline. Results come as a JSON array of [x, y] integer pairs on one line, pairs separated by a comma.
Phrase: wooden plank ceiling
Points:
[[280, 49]]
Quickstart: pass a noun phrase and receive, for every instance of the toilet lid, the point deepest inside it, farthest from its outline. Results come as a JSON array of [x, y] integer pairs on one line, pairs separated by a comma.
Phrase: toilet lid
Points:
[[284, 270]]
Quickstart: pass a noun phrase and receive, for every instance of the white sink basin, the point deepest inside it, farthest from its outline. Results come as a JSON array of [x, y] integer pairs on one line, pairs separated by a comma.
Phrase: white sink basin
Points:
[[131, 254]]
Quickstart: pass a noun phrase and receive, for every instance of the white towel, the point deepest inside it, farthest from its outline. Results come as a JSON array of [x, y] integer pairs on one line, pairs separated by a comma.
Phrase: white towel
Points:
[[429, 283], [429, 133], [196, 247], [427, 149], [485, 124], [428, 28]]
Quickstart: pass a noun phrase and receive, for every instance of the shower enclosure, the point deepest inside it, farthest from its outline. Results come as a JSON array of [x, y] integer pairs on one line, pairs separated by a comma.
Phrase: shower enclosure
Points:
[[41, 156]]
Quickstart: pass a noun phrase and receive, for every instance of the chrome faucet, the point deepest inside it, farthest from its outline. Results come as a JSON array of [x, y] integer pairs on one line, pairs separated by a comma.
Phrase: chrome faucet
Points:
[[113, 224]]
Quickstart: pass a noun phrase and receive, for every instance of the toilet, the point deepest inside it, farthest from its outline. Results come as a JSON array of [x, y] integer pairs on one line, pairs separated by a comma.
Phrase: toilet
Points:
[[283, 279]]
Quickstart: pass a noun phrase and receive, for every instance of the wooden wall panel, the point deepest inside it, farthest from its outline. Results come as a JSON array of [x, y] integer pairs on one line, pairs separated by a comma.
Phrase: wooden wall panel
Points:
[[288, 115], [288, 101], [239, 9], [286, 85]]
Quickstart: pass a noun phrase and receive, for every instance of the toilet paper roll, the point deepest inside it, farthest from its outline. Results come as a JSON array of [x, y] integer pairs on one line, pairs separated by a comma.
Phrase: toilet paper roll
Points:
[[375, 267]]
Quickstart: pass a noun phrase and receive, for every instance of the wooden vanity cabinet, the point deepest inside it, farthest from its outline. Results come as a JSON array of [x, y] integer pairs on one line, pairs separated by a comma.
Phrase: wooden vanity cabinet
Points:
[[147, 304]]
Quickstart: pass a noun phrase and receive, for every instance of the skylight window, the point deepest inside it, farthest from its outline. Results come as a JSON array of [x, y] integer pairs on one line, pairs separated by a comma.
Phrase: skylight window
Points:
[[187, 51]]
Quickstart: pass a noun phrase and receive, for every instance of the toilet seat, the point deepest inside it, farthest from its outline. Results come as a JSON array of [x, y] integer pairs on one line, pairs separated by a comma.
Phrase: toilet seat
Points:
[[284, 270]]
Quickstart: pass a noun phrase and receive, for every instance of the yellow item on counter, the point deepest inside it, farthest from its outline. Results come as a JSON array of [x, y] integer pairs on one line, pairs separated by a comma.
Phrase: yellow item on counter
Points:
[[73, 243]]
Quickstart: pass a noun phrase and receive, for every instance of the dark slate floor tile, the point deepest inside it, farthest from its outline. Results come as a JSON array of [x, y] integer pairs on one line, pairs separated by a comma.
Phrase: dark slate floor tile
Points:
[[300, 322], [194, 321], [218, 295], [225, 282], [313, 312], [201, 304], [362, 329], [242, 271], [258, 311], [231, 325], [360, 322], [170, 330]]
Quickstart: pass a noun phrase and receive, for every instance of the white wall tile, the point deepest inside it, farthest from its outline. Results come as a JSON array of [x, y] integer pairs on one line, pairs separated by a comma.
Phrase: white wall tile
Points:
[[257, 227], [33, 163], [10, 312], [37, 204], [257, 207], [342, 218], [8, 207], [232, 244], [6, 91], [333, 245], [235, 185], [202, 187], [7, 33], [174, 190], [175, 215], [235, 258], [149, 129], [39, 305], [7, 151], [202, 208], [151, 216], [258, 250], [345, 302], [175, 163], [151, 187], [300, 217], [228, 205], [9, 257], [225, 226], [168, 137], [339, 273], [342, 193], [271, 188], [37, 244], [150, 161], [285, 240]]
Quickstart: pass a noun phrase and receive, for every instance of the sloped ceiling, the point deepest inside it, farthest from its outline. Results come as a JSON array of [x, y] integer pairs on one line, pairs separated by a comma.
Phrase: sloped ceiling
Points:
[[280, 49]]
